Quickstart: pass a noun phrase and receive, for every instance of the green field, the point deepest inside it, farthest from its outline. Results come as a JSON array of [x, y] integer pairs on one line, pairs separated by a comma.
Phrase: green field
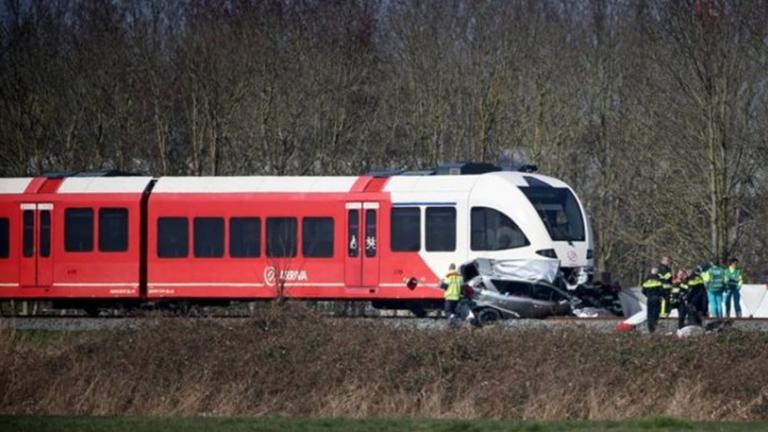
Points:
[[186, 424]]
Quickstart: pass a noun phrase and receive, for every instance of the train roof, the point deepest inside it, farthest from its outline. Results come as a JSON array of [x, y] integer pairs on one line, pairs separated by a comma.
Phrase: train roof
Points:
[[15, 185], [74, 185], [92, 185], [465, 183], [253, 184], [287, 184]]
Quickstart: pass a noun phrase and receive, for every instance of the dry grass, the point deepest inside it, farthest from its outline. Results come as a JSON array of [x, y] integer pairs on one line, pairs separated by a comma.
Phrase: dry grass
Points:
[[294, 362]]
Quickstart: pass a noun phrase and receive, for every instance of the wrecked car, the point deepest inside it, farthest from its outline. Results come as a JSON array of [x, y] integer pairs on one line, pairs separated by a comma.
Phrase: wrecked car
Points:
[[503, 289]]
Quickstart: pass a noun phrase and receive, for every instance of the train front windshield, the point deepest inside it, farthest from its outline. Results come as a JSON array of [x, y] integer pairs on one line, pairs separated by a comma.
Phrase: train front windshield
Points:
[[559, 211]]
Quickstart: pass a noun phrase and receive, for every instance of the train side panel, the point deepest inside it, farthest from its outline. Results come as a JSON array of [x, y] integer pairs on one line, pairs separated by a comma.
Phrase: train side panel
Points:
[[106, 266], [357, 265], [76, 238], [186, 217], [196, 249], [11, 191], [442, 237]]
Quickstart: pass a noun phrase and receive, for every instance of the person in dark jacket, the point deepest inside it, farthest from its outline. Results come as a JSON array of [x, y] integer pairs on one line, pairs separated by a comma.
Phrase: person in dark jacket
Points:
[[665, 276], [696, 298], [679, 296], [652, 288]]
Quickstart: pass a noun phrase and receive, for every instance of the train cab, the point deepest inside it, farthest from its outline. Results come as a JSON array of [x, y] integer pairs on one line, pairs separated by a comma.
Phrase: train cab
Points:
[[499, 215]]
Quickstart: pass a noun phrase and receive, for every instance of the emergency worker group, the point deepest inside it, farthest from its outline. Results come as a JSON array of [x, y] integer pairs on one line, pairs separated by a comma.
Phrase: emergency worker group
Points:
[[708, 290]]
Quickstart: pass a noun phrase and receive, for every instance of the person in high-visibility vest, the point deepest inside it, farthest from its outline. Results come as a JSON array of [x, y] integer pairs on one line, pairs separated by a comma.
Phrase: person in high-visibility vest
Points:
[[452, 285], [715, 280], [652, 288], [733, 281]]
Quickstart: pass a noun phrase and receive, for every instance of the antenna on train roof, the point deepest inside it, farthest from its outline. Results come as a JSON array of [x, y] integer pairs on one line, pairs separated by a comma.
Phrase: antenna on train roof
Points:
[[385, 173], [505, 160], [466, 168], [458, 168], [508, 161]]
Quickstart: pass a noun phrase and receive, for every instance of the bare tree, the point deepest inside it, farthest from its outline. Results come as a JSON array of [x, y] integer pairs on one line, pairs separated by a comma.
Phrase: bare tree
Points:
[[656, 111]]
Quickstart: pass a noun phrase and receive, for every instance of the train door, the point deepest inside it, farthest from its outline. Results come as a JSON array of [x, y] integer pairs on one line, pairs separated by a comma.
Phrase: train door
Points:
[[44, 255], [361, 259], [28, 260], [371, 244], [36, 264], [353, 263]]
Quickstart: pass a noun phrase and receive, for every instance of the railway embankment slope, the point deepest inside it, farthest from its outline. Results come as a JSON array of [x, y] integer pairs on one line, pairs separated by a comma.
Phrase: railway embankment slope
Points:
[[290, 361]]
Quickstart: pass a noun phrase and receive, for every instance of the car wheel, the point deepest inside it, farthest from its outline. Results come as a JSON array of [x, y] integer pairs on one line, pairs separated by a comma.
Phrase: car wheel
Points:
[[487, 316]]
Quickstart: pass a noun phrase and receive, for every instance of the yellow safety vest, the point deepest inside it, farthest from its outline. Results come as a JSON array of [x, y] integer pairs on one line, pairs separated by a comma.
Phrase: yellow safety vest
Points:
[[677, 289], [652, 284], [666, 279], [453, 280], [733, 277], [695, 281]]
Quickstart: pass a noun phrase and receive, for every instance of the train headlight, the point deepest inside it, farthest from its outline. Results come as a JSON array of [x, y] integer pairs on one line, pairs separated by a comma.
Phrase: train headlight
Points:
[[412, 283], [549, 253]]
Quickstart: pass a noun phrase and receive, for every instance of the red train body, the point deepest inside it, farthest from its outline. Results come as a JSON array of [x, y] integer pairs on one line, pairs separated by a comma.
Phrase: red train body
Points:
[[141, 239]]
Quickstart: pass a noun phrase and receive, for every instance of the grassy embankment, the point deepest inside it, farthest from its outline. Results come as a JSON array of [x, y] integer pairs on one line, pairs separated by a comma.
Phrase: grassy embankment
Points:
[[291, 362]]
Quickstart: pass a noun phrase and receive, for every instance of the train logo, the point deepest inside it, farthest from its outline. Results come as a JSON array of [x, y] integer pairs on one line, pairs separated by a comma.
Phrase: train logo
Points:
[[269, 276], [572, 255]]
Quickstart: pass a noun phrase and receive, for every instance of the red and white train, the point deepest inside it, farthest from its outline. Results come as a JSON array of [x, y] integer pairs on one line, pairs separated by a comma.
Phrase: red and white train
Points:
[[98, 240]]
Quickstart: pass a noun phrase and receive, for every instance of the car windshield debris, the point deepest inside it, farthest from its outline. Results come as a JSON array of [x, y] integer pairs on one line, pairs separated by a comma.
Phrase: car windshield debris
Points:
[[499, 289], [531, 270]]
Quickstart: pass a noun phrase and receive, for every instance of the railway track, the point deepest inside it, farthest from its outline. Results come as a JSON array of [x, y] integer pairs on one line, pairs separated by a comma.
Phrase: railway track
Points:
[[84, 324]]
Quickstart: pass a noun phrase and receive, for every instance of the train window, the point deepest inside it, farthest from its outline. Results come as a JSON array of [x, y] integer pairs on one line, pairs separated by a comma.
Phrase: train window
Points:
[[29, 233], [493, 230], [5, 238], [244, 237], [45, 233], [113, 230], [172, 237], [370, 233], [353, 229], [281, 237], [558, 209], [78, 230], [406, 229], [441, 229], [317, 237], [209, 237]]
